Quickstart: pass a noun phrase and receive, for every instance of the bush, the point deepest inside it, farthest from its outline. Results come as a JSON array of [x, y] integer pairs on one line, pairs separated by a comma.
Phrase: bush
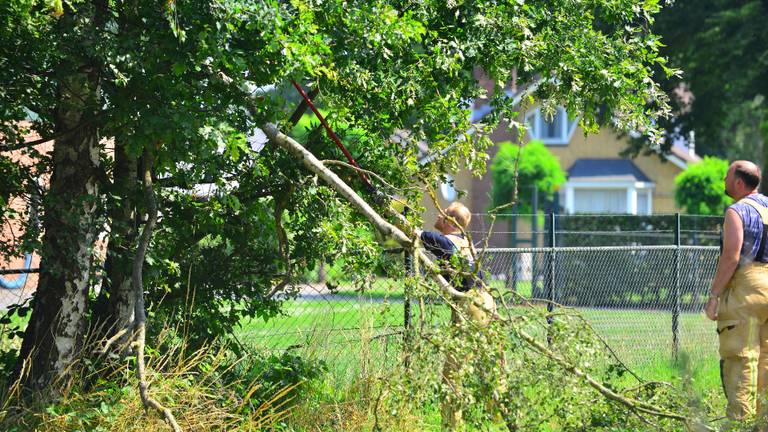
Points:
[[287, 375], [537, 166], [700, 188]]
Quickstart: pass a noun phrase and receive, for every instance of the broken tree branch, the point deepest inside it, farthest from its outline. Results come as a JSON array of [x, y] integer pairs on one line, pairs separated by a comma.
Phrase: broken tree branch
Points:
[[387, 229]]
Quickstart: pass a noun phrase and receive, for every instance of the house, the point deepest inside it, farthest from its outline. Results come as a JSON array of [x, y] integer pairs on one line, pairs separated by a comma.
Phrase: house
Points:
[[16, 288], [599, 179]]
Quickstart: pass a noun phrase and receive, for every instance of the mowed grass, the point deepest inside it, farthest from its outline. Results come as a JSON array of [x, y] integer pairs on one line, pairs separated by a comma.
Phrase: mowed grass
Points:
[[348, 330]]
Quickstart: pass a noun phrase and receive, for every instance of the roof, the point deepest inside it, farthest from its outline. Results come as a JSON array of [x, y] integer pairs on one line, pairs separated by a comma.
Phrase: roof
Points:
[[606, 169], [684, 152]]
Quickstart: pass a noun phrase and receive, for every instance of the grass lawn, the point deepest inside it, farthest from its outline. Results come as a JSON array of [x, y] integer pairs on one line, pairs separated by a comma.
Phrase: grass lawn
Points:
[[361, 335], [338, 327]]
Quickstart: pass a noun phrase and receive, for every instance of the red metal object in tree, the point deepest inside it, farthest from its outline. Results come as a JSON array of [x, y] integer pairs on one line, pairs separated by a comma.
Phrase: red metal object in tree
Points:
[[331, 134]]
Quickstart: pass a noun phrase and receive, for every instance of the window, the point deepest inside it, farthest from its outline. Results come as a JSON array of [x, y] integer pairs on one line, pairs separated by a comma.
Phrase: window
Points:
[[600, 201], [596, 198], [447, 190], [557, 130]]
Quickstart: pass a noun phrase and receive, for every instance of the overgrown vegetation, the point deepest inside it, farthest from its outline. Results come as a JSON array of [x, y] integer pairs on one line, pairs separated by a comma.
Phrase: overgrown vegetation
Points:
[[293, 392], [160, 116], [217, 390]]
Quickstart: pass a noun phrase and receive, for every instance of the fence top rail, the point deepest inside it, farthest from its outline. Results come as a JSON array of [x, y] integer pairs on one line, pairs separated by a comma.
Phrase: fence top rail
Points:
[[607, 215], [598, 248]]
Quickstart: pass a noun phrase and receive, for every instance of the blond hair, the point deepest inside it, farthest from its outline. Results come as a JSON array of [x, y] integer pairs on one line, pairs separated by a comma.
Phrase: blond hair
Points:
[[460, 213]]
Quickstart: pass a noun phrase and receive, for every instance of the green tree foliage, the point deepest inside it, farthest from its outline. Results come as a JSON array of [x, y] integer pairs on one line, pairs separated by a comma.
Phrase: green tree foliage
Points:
[[700, 189], [536, 166], [188, 81], [723, 49]]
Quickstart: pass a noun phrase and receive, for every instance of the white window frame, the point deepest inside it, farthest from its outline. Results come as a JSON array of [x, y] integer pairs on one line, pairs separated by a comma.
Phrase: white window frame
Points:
[[632, 188], [536, 120]]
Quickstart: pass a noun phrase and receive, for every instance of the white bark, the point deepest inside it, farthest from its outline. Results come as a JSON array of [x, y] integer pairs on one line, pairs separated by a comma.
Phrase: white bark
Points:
[[54, 336]]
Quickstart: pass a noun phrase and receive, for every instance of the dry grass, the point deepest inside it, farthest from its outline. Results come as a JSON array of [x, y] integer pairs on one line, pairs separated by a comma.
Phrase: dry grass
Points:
[[106, 398]]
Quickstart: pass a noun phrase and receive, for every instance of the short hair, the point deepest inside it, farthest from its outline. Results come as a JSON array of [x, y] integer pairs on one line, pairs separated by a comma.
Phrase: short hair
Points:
[[460, 213], [749, 177]]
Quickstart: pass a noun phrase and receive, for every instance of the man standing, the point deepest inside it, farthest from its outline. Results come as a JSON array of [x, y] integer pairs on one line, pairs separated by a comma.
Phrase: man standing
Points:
[[739, 295]]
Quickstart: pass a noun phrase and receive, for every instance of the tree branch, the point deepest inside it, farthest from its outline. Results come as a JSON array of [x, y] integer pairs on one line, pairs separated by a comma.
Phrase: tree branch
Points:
[[387, 229], [138, 286]]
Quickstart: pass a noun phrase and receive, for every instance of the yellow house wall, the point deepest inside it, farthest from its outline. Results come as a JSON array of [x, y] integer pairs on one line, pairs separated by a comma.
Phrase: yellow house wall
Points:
[[462, 181], [606, 144]]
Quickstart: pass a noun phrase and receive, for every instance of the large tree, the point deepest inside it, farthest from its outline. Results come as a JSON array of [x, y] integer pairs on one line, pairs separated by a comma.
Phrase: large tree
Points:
[[120, 84], [723, 48]]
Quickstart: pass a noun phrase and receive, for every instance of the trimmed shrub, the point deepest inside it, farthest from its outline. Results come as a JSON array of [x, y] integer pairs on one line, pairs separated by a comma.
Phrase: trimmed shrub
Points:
[[700, 189], [537, 166]]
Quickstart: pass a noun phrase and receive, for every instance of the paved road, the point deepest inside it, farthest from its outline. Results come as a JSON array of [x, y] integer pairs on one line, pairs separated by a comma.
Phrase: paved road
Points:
[[9, 297]]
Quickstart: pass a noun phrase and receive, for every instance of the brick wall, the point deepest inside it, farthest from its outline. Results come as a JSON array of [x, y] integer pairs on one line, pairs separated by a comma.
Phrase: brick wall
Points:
[[13, 229]]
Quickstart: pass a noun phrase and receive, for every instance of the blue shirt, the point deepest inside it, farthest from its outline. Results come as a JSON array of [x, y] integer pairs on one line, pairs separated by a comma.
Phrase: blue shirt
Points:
[[443, 249], [753, 229]]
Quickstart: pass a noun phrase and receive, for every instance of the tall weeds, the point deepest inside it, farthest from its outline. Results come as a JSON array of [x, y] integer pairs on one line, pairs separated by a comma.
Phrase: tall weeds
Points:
[[197, 385]]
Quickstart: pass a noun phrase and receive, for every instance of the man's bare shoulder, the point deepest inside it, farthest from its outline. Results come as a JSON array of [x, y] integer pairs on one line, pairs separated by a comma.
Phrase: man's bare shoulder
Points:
[[732, 216]]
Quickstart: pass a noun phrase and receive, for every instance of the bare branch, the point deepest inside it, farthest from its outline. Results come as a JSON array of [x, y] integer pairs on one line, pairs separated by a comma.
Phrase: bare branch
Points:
[[138, 286]]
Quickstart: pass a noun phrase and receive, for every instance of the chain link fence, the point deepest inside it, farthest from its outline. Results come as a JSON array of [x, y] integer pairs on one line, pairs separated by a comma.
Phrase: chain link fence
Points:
[[642, 288], [17, 283], [644, 301], [640, 281]]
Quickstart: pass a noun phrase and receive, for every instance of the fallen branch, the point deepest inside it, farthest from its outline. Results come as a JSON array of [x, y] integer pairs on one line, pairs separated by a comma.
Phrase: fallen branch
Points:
[[140, 327], [316, 166], [385, 228]]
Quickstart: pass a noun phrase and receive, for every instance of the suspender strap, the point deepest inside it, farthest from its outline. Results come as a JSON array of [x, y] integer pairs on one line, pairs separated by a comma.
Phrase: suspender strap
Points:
[[763, 211], [462, 245], [759, 207]]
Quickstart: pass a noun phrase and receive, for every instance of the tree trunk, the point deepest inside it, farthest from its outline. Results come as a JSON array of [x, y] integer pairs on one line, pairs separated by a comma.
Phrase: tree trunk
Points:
[[114, 308], [54, 336]]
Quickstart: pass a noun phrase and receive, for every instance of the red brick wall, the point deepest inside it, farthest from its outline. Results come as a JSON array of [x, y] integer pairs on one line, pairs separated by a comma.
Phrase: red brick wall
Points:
[[13, 229]]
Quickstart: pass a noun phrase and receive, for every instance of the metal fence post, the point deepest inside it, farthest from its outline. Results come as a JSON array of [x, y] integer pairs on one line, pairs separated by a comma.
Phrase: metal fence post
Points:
[[534, 240], [407, 315], [552, 286], [676, 291], [408, 261], [512, 275]]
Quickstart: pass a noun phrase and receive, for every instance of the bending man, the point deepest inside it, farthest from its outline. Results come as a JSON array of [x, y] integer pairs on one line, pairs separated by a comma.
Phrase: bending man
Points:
[[456, 255]]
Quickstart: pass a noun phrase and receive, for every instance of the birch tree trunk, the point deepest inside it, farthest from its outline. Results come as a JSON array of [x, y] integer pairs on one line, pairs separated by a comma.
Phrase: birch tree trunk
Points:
[[55, 332], [114, 308]]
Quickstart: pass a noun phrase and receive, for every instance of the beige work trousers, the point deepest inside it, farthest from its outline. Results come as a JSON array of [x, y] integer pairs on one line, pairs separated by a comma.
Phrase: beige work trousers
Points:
[[742, 326], [451, 412]]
